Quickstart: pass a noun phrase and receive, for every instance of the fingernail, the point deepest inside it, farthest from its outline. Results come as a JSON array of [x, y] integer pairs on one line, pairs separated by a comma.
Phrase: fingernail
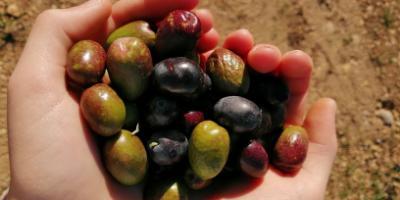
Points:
[[264, 47], [244, 30], [269, 49]]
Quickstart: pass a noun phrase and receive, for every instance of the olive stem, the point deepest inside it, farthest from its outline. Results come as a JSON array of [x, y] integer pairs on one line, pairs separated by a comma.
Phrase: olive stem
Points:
[[137, 129]]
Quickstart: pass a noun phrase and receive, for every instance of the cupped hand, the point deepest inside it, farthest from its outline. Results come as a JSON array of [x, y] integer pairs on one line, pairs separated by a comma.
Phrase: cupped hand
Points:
[[311, 180], [52, 152]]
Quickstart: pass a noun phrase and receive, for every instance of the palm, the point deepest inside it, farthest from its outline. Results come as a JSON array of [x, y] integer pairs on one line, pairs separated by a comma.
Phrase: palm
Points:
[[51, 147], [302, 185], [308, 183]]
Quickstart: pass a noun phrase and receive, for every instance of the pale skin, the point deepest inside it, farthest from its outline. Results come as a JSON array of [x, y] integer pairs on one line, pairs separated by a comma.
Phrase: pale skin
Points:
[[52, 152]]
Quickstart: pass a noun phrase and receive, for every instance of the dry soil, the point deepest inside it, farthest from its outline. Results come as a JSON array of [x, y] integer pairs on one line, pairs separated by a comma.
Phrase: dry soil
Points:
[[355, 46]]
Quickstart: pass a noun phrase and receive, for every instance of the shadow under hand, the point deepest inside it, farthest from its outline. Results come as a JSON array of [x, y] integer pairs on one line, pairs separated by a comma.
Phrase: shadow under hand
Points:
[[228, 186]]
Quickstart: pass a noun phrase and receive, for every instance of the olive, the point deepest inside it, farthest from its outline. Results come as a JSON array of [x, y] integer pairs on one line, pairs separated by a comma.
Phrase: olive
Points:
[[86, 63], [103, 109], [278, 115], [228, 72], [193, 55], [161, 111], [254, 160], [269, 89], [129, 66], [166, 190], [132, 116], [206, 84], [125, 158], [273, 117], [139, 29], [167, 147], [291, 149], [238, 114], [178, 33], [178, 76], [208, 149], [266, 124], [194, 182], [192, 118]]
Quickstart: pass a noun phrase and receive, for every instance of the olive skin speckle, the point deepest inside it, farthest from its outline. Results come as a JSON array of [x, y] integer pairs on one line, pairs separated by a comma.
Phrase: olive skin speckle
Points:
[[103, 109], [291, 149], [208, 149], [86, 63]]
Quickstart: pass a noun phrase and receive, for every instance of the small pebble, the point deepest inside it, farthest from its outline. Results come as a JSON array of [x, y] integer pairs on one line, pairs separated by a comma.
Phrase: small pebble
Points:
[[388, 104], [14, 10], [386, 116], [330, 27]]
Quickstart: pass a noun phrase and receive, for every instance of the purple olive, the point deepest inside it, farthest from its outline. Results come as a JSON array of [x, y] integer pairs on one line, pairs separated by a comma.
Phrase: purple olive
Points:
[[268, 89], [192, 118], [161, 111], [238, 114], [273, 117], [178, 76], [291, 149], [167, 147], [254, 160], [178, 33]]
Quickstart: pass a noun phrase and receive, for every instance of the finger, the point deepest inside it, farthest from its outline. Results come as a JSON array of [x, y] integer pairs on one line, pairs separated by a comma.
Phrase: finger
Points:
[[208, 41], [203, 58], [320, 125], [52, 35], [93, 27], [128, 10], [264, 58], [206, 19], [296, 68], [240, 42]]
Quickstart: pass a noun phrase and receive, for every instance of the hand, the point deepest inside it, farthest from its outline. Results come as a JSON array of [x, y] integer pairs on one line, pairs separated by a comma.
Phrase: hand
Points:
[[52, 152], [311, 180]]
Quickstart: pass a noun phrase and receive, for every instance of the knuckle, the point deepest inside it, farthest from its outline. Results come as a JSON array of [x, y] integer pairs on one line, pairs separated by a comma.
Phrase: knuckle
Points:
[[47, 16]]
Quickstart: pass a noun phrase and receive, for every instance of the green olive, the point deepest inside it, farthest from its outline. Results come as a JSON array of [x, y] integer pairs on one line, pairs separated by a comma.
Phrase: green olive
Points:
[[208, 149], [165, 190], [228, 72], [139, 29], [126, 158], [132, 116], [129, 65], [86, 63], [103, 109]]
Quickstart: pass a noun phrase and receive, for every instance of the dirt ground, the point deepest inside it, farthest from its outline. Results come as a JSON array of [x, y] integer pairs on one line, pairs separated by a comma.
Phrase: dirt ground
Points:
[[355, 46]]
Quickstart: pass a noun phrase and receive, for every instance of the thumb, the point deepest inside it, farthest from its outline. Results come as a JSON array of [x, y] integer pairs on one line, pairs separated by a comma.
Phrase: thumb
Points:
[[87, 21], [43, 59], [320, 125]]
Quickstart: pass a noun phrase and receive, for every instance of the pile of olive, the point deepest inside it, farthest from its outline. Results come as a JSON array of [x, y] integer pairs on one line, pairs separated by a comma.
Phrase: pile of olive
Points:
[[181, 122]]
